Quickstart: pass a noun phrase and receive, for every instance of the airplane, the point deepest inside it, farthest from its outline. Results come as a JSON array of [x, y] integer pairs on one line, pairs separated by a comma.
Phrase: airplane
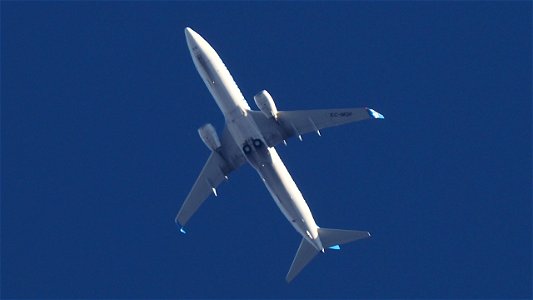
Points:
[[250, 136]]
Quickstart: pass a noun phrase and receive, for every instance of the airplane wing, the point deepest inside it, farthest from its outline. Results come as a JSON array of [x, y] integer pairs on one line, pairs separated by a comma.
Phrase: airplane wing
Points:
[[219, 164], [296, 123]]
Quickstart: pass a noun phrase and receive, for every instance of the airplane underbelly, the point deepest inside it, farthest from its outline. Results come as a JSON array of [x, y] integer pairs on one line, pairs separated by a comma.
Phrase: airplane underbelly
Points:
[[222, 86], [283, 189]]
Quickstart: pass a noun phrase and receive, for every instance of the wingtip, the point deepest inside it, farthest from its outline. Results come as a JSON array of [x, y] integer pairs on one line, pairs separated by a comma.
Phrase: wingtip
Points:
[[290, 277], [374, 114], [181, 227]]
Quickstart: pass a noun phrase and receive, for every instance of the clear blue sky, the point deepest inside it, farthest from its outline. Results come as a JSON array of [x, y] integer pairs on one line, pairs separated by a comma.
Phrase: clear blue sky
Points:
[[100, 106]]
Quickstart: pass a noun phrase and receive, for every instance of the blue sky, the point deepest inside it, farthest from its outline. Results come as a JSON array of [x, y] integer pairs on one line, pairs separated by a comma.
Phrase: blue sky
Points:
[[100, 106]]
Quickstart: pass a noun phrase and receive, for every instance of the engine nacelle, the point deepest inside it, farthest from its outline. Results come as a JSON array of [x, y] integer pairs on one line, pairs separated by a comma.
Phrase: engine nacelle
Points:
[[209, 136], [265, 103]]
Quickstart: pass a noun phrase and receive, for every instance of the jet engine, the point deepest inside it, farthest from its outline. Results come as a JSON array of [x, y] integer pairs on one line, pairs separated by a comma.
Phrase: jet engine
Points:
[[209, 136], [265, 103]]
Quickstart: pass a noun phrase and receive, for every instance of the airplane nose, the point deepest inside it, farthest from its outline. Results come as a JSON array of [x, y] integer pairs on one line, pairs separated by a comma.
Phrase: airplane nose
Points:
[[197, 44], [188, 32], [193, 38]]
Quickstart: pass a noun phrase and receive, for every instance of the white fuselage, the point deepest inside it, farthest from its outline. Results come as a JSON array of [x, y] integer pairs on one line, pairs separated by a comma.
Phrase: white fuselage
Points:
[[244, 131]]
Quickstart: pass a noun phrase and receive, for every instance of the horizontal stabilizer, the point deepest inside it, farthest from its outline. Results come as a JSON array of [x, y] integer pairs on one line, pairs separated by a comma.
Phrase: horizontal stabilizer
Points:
[[333, 237], [330, 238], [306, 252]]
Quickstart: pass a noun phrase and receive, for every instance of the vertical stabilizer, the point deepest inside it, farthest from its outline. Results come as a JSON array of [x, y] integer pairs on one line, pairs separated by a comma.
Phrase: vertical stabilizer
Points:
[[306, 252]]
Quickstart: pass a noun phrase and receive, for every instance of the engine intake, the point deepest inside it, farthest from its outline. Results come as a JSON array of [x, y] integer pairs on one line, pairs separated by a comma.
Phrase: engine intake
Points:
[[266, 104], [209, 136]]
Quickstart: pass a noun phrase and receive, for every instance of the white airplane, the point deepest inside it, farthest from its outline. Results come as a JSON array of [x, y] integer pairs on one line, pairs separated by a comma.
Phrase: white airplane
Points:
[[250, 136]]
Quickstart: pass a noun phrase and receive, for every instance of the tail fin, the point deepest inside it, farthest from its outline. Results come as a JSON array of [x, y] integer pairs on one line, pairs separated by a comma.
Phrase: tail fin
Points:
[[329, 237]]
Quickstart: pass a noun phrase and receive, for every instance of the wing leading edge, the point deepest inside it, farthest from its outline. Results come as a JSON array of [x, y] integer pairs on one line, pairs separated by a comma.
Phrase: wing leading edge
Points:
[[296, 123]]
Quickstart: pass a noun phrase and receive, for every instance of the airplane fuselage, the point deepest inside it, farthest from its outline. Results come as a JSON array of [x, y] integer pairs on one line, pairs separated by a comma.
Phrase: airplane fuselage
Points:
[[247, 135]]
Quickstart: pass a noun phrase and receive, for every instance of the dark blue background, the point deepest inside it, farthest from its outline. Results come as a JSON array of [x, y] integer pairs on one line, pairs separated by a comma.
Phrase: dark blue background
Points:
[[100, 106]]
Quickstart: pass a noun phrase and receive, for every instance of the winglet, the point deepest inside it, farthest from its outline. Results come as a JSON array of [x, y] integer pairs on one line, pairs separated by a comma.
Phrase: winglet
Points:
[[374, 114], [182, 230]]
